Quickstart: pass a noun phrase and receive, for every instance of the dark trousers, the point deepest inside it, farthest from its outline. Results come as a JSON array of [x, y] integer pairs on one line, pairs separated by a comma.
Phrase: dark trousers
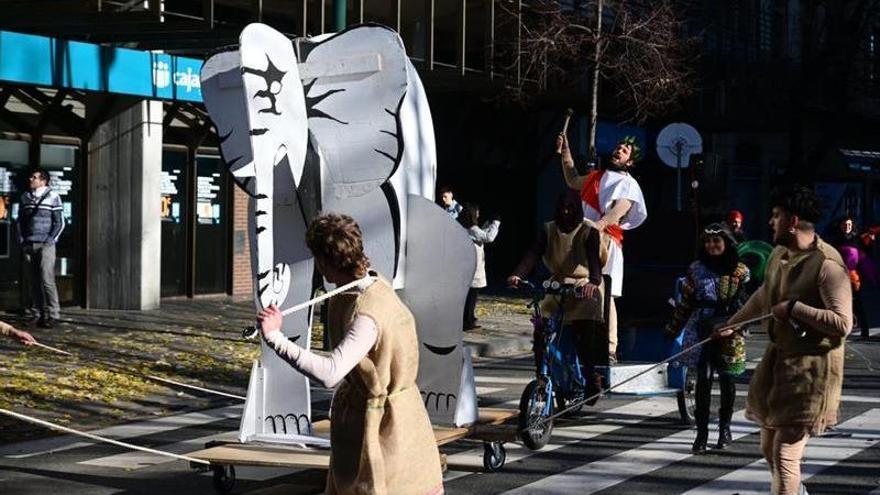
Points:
[[470, 306], [590, 343], [709, 363]]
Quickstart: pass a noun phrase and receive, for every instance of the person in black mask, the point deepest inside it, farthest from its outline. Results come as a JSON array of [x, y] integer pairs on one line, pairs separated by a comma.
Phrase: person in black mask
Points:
[[570, 248], [712, 292]]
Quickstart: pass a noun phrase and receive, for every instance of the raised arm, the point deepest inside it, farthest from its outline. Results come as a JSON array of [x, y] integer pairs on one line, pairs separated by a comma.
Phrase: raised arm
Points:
[[572, 179], [487, 233]]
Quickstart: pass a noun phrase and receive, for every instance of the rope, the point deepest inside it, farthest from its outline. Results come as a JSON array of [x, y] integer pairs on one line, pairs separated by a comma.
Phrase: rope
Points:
[[327, 295], [143, 375], [65, 429], [581, 402]]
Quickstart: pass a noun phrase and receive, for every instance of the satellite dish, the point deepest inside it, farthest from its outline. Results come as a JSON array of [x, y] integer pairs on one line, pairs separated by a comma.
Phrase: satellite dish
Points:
[[676, 143]]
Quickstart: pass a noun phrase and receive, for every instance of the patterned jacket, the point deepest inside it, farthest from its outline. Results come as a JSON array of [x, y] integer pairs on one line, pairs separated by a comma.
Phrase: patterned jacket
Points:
[[41, 219]]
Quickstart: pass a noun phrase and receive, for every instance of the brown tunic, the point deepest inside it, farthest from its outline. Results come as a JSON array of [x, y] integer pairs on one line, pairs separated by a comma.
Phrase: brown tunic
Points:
[[381, 438], [567, 260], [799, 379]]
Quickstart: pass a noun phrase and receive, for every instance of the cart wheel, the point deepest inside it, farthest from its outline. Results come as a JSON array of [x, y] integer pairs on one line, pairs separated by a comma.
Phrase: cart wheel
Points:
[[494, 455], [224, 478], [686, 397], [534, 431]]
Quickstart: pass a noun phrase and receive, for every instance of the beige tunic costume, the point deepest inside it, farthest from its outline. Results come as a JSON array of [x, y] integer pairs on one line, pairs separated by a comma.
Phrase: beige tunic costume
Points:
[[569, 266], [799, 379], [382, 438]]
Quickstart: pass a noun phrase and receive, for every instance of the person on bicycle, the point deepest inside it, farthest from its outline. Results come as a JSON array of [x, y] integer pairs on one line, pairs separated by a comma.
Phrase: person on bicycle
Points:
[[713, 290], [570, 248]]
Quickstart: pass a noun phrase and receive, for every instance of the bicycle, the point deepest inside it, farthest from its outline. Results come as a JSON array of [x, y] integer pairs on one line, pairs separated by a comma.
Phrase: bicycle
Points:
[[560, 381]]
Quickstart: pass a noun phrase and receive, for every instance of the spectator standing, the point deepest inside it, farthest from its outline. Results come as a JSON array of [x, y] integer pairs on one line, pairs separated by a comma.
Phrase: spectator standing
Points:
[[448, 202], [39, 227], [735, 224], [480, 235]]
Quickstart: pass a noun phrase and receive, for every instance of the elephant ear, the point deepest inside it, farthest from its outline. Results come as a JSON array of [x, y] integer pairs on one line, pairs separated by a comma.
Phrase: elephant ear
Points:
[[276, 111], [226, 102], [354, 83]]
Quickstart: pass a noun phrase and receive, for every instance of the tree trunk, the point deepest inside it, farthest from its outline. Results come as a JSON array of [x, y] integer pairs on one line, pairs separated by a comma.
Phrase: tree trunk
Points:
[[594, 105]]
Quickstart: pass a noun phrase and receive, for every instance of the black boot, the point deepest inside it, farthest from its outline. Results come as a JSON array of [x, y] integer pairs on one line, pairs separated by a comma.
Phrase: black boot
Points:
[[700, 442], [724, 437], [725, 412]]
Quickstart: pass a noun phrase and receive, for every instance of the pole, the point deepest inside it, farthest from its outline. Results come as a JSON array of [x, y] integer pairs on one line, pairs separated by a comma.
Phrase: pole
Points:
[[340, 8], [678, 152]]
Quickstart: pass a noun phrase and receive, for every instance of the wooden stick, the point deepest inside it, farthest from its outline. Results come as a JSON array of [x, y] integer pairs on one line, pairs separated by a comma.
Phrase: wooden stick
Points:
[[53, 349]]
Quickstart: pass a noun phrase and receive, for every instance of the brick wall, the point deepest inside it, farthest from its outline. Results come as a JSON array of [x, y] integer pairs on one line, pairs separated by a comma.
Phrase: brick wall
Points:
[[242, 277]]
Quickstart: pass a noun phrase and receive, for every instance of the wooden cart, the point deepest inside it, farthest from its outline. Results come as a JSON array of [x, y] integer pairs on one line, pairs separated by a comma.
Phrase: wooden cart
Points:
[[224, 456]]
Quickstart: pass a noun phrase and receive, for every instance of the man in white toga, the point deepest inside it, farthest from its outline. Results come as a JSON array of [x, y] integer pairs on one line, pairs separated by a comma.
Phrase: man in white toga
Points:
[[613, 201]]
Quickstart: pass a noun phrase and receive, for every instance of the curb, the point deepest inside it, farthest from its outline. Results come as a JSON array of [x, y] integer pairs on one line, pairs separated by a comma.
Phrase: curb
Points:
[[498, 347]]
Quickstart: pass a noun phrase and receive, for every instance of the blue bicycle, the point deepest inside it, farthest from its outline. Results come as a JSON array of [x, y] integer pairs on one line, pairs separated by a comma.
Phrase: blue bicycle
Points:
[[560, 381]]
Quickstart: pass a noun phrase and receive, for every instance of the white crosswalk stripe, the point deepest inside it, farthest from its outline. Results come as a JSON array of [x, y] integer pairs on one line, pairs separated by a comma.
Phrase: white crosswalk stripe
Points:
[[617, 470], [67, 442], [138, 460], [611, 471], [464, 463], [820, 454]]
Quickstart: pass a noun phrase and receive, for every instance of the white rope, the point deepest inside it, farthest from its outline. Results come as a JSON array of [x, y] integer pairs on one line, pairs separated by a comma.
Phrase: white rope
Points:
[[327, 295], [193, 387], [151, 377], [65, 429]]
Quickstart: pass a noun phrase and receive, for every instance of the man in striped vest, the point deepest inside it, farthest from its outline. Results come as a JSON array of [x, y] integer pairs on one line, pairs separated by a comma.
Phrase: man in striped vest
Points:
[[39, 226]]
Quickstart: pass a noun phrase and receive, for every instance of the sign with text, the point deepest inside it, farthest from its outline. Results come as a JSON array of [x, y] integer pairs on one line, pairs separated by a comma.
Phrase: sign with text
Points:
[[44, 61]]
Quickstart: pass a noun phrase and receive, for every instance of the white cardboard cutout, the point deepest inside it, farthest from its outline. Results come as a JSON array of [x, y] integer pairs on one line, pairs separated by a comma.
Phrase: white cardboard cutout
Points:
[[348, 130]]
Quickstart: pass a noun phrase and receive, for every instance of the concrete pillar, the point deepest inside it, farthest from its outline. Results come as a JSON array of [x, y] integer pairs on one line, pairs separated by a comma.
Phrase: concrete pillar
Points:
[[125, 235]]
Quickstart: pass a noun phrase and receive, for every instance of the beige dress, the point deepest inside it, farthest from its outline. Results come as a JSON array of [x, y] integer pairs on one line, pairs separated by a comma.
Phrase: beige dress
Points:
[[799, 379], [382, 440]]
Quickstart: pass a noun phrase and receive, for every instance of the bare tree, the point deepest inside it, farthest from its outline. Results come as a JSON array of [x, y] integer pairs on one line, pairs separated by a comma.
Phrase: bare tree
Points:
[[633, 51]]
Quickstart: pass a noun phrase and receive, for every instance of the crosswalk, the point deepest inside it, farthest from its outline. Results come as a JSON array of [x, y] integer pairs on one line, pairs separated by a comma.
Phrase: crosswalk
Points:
[[624, 445]]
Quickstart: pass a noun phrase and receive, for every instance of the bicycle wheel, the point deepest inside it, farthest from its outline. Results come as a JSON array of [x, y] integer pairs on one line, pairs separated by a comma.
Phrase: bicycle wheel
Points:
[[686, 397], [534, 430]]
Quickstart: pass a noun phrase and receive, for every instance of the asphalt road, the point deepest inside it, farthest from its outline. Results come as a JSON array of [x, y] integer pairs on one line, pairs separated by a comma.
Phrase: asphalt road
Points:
[[624, 444]]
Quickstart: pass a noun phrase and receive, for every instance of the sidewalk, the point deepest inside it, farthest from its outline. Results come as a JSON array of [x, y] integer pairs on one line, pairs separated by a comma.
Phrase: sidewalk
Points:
[[197, 342]]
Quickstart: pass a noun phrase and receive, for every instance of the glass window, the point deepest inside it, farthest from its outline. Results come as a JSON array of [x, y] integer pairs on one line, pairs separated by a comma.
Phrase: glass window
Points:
[[211, 227], [173, 211]]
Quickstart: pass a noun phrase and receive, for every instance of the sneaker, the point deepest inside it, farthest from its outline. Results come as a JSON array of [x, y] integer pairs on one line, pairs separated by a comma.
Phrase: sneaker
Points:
[[47, 322]]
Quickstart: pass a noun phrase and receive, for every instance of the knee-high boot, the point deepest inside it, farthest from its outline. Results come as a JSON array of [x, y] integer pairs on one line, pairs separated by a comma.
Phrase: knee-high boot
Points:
[[725, 412], [703, 399]]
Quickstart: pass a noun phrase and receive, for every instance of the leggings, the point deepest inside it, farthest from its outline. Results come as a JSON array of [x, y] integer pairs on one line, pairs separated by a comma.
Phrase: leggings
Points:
[[783, 449], [709, 363]]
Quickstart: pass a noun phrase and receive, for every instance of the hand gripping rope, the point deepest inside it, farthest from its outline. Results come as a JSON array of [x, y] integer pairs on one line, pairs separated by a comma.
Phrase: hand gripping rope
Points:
[[252, 331], [580, 403]]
